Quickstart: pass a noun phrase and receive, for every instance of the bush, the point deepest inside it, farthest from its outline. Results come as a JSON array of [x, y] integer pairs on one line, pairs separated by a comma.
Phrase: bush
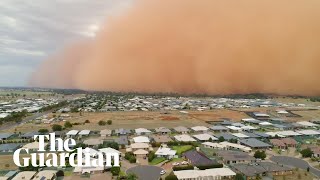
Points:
[[260, 155], [306, 152], [86, 121], [155, 144], [180, 168], [115, 171], [171, 176], [151, 156], [130, 157], [60, 173], [43, 131], [56, 127], [109, 122], [67, 124], [102, 123]]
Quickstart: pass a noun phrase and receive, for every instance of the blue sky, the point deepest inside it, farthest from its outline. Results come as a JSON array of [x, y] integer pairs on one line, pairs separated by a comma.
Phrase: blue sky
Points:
[[32, 30]]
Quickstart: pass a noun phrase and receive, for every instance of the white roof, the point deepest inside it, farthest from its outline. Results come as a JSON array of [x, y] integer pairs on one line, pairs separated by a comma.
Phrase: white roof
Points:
[[248, 128], [47, 174], [166, 152], [248, 119], [84, 132], [204, 174], [205, 137], [308, 132], [288, 133], [199, 128], [92, 152], [26, 175], [109, 150], [261, 114], [235, 146], [214, 145], [240, 135], [88, 169], [282, 112], [234, 128], [142, 130], [33, 145], [184, 138], [273, 134], [139, 145], [306, 123], [72, 132], [265, 123], [141, 139]]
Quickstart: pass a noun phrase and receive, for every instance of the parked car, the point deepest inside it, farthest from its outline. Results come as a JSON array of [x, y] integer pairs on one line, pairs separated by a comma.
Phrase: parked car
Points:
[[162, 172]]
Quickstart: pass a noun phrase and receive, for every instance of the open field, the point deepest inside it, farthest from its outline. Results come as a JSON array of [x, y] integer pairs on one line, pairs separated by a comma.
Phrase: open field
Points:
[[136, 119]]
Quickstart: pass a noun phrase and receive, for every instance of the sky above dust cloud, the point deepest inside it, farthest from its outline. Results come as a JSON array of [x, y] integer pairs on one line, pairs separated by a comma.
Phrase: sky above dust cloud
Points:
[[189, 46]]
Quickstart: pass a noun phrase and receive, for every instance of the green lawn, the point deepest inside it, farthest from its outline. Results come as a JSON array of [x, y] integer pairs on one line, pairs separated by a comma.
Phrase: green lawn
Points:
[[156, 161], [182, 149]]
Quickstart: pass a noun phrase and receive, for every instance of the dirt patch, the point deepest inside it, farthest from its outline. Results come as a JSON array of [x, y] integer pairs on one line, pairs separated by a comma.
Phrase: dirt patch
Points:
[[169, 118]]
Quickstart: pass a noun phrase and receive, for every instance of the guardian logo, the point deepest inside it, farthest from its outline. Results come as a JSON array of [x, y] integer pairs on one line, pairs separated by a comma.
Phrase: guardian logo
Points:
[[57, 156]]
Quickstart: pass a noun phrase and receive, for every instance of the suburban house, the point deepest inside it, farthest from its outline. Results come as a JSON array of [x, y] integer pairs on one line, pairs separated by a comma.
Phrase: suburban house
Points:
[[110, 151], [202, 129], [122, 140], [234, 157], [205, 137], [135, 146], [219, 129], [34, 146], [122, 131], [93, 142], [29, 135], [141, 153], [90, 170], [278, 143], [142, 131], [5, 136], [83, 133], [181, 130], [141, 139], [234, 129], [217, 173], [250, 171], [25, 175], [184, 138], [234, 146], [106, 132], [72, 133], [197, 158], [254, 143], [161, 138], [165, 152], [45, 175], [163, 130], [289, 142]]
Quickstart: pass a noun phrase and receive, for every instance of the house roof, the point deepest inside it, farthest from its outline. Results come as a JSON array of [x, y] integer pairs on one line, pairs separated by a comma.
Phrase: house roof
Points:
[[184, 138], [289, 141], [218, 128], [93, 141], [254, 143], [264, 135], [122, 140], [240, 135], [288, 133], [24, 175], [226, 136], [122, 131], [142, 130], [30, 134], [235, 156], [199, 128], [5, 135], [141, 139], [199, 174], [33, 145], [251, 135], [251, 120], [277, 142], [259, 168], [163, 130], [84, 132], [198, 158], [234, 128], [106, 132], [139, 145], [308, 132], [181, 129], [205, 137], [161, 138], [45, 174], [307, 124], [109, 150], [72, 132], [140, 152], [165, 152]]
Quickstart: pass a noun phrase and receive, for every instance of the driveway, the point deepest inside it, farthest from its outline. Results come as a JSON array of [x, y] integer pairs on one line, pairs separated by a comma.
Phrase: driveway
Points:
[[295, 162], [146, 172]]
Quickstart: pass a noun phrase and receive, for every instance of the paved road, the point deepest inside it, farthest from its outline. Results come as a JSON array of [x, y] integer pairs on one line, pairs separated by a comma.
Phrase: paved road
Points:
[[295, 162], [28, 118], [146, 172]]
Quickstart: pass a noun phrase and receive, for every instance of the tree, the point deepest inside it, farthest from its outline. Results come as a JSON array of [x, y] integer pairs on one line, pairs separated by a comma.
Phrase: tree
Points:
[[109, 122], [171, 176], [306, 152], [115, 171], [56, 127], [87, 121], [60, 173], [239, 177], [102, 123], [151, 156], [67, 124], [132, 176], [43, 131], [260, 155], [308, 169], [221, 139]]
